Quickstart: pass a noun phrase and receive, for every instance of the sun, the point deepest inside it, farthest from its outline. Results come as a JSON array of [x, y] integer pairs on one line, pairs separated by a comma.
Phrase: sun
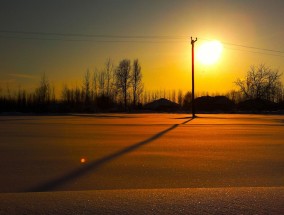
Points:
[[209, 52]]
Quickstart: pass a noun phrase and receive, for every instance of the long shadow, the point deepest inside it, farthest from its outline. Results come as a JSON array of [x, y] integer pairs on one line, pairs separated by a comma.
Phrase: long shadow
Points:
[[187, 121], [51, 185]]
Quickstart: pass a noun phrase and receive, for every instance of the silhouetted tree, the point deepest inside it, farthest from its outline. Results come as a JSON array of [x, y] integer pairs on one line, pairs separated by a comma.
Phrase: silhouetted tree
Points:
[[77, 95], [260, 83], [122, 82], [235, 96], [65, 94], [95, 84], [87, 87], [136, 82], [22, 100], [180, 98], [43, 92], [280, 93], [101, 79], [109, 76], [187, 101], [173, 96]]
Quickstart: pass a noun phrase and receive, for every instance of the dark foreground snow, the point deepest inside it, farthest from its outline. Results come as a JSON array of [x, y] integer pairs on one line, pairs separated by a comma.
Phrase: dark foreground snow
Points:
[[161, 201]]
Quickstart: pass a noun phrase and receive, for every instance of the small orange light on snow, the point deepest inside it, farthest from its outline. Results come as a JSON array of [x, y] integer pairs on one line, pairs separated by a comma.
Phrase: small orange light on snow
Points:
[[83, 160]]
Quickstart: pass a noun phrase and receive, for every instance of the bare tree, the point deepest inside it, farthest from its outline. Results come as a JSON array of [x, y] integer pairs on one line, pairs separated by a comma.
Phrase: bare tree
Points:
[[21, 99], [234, 95], [95, 84], [123, 76], [43, 92], [77, 95], [173, 96], [180, 98], [87, 86], [8, 91], [261, 82], [136, 82], [187, 99], [65, 94], [101, 79], [280, 93], [52, 93], [109, 75]]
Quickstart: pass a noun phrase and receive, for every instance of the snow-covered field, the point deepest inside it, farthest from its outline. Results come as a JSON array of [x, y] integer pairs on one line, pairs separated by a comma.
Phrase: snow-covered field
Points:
[[140, 152]]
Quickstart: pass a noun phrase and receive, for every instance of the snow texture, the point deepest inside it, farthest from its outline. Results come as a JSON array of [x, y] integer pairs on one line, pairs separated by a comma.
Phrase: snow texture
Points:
[[150, 158]]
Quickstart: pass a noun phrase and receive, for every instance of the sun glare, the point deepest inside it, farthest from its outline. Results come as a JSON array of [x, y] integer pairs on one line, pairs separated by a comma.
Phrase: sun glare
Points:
[[209, 52]]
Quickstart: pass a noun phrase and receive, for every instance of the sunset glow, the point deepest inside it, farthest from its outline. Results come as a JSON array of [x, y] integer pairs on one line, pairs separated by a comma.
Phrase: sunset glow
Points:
[[64, 40], [153, 106], [209, 52]]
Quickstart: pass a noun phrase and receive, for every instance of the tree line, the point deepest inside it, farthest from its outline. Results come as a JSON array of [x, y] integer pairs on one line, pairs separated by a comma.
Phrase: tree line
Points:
[[114, 88], [120, 88]]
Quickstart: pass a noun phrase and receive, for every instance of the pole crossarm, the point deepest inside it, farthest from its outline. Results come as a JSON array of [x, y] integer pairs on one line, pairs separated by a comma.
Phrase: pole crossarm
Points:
[[193, 41]]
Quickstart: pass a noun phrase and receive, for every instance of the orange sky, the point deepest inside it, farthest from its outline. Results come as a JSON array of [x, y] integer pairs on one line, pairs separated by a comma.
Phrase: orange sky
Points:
[[166, 64]]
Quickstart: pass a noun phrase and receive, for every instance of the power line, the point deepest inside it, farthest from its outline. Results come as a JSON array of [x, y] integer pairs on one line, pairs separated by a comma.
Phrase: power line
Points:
[[249, 47], [252, 47], [119, 39], [255, 52], [90, 40], [93, 35]]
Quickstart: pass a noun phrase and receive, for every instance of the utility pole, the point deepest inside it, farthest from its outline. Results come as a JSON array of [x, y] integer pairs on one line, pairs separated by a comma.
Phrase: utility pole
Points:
[[192, 68]]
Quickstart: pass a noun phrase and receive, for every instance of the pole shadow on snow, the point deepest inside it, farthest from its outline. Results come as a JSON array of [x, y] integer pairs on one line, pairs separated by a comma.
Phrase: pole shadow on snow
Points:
[[92, 166]]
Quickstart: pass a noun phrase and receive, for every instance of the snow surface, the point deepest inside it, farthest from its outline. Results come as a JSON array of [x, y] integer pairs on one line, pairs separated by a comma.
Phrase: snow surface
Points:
[[140, 151], [151, 201]]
